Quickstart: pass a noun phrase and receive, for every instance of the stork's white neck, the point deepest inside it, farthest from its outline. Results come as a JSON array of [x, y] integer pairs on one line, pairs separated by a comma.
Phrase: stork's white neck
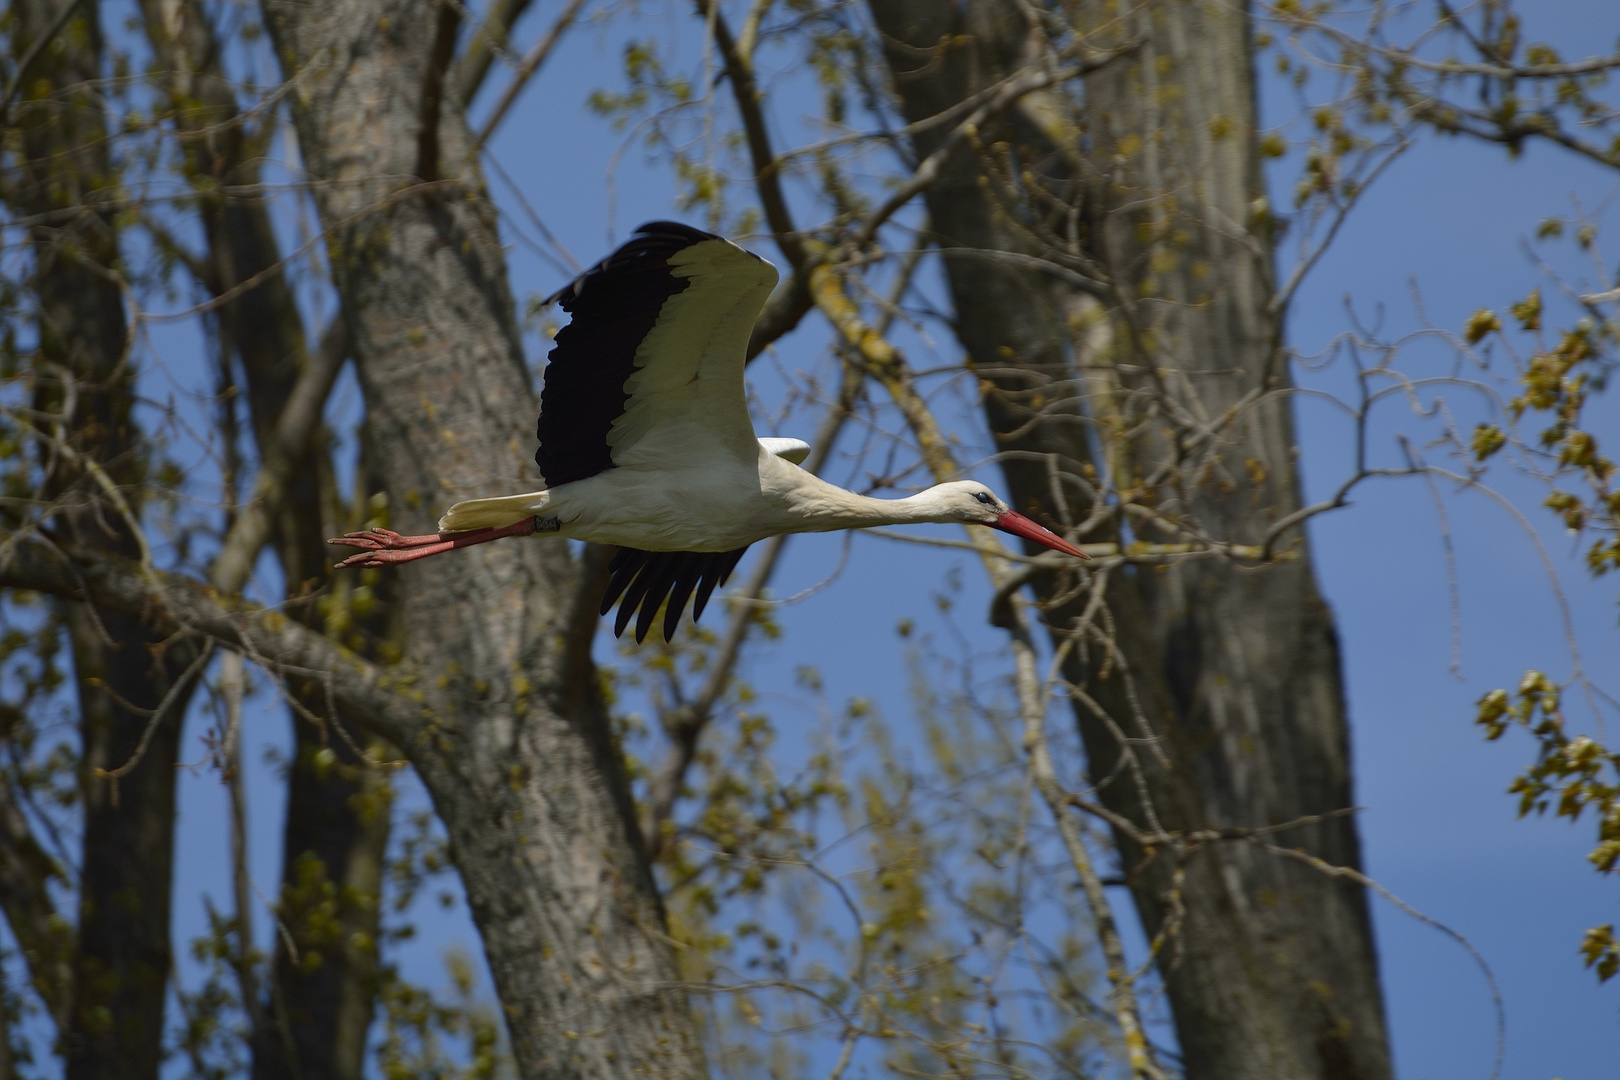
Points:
[[819, 506]]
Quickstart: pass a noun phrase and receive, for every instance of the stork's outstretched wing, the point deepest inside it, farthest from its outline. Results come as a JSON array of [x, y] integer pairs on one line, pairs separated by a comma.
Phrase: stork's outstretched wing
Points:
[[652, 363]]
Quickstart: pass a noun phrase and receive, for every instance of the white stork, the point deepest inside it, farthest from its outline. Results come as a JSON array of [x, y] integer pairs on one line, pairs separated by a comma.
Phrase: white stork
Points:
[[646, 443]]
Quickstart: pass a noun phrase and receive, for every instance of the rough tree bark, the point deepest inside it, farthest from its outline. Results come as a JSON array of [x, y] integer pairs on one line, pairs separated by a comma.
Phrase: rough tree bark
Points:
[[511, 740], [1273, 971], [334, 835], [123, 672]]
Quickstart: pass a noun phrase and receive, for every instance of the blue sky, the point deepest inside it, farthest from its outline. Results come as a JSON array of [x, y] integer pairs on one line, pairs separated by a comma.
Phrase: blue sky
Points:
[[1437, 828]]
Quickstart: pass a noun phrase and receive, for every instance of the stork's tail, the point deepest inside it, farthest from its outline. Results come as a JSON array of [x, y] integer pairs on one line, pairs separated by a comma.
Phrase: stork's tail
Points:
[[493, 513]]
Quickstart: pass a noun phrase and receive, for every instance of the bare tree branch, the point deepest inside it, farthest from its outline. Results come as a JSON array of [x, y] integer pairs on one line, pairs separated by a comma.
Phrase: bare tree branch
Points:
[[169, 602], [526, 70], [26, 62], [44, 938], [767, 169], [300, 419], [488, 41]]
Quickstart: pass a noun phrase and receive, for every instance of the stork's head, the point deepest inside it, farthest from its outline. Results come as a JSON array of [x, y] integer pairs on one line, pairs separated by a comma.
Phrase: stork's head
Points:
[[972, 502]]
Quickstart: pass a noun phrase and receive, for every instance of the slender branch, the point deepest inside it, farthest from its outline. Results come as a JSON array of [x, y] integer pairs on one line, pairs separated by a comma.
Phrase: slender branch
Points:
[[57, 442], [1352, 874], [748, 36], [884, 362], [487, 42], [947, 115], [1010, 93], [1032, 704], [231, 684], [1282, 297], [927, 170], [30, 56], [321, 237], [171, 602], [530, 64], [1184, 842], [44, 938], [1403, 58], [288, 451], [180, 690], [767, 169]]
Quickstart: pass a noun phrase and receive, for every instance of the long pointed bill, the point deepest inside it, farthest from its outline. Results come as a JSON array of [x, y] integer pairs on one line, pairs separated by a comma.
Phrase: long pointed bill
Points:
[[1019, 525]]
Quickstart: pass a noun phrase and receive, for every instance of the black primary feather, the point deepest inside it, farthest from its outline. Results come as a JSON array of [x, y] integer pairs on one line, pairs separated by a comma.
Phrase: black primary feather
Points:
[[621, 571], [685, 582], [646, 579], [614, 305], [714, 574], [637, 592]]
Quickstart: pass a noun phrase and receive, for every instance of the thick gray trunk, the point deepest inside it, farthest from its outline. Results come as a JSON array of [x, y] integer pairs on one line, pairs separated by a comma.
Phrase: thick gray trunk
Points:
[[519, 764], [1273, 972]]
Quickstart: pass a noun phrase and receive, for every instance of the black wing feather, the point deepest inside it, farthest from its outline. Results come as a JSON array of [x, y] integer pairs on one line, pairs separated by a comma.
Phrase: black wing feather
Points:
[[658, 590], [714, 573], [621, 572], [614, 305], [638, 590], [685, 582], [645, 579]]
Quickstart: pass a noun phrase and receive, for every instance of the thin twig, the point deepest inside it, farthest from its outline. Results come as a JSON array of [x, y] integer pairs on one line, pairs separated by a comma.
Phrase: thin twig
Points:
[[1352, 874], [532, 60], [231, 685], [31, 55], [288, 450], [484, 45], [175, 691]]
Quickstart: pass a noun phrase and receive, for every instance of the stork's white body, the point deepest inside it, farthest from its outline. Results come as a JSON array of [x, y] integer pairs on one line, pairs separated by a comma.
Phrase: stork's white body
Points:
[[646, 442], [716, 503]]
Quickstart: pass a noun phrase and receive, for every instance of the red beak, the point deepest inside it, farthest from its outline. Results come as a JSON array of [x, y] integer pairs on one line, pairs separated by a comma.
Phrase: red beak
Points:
[[1019, 525]]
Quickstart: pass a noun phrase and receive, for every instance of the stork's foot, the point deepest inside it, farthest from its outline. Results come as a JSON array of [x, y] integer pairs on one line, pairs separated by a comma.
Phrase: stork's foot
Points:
[[385, 547], [380, 547], [390, 557], [387, 540]]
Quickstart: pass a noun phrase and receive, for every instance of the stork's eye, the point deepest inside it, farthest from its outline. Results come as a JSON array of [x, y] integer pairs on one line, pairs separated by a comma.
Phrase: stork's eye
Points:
[[985, 497]]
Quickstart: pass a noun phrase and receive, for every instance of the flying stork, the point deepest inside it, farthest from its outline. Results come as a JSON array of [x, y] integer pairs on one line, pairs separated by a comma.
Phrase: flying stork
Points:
[[646, 442]]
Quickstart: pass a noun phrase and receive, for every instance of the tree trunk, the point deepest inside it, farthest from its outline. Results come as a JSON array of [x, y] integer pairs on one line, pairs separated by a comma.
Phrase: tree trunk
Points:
[[519, 761], [122, 672], [1236, 670]]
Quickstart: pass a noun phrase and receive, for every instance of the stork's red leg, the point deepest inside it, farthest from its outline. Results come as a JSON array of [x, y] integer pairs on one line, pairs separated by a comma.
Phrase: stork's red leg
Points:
[[384, 547]]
